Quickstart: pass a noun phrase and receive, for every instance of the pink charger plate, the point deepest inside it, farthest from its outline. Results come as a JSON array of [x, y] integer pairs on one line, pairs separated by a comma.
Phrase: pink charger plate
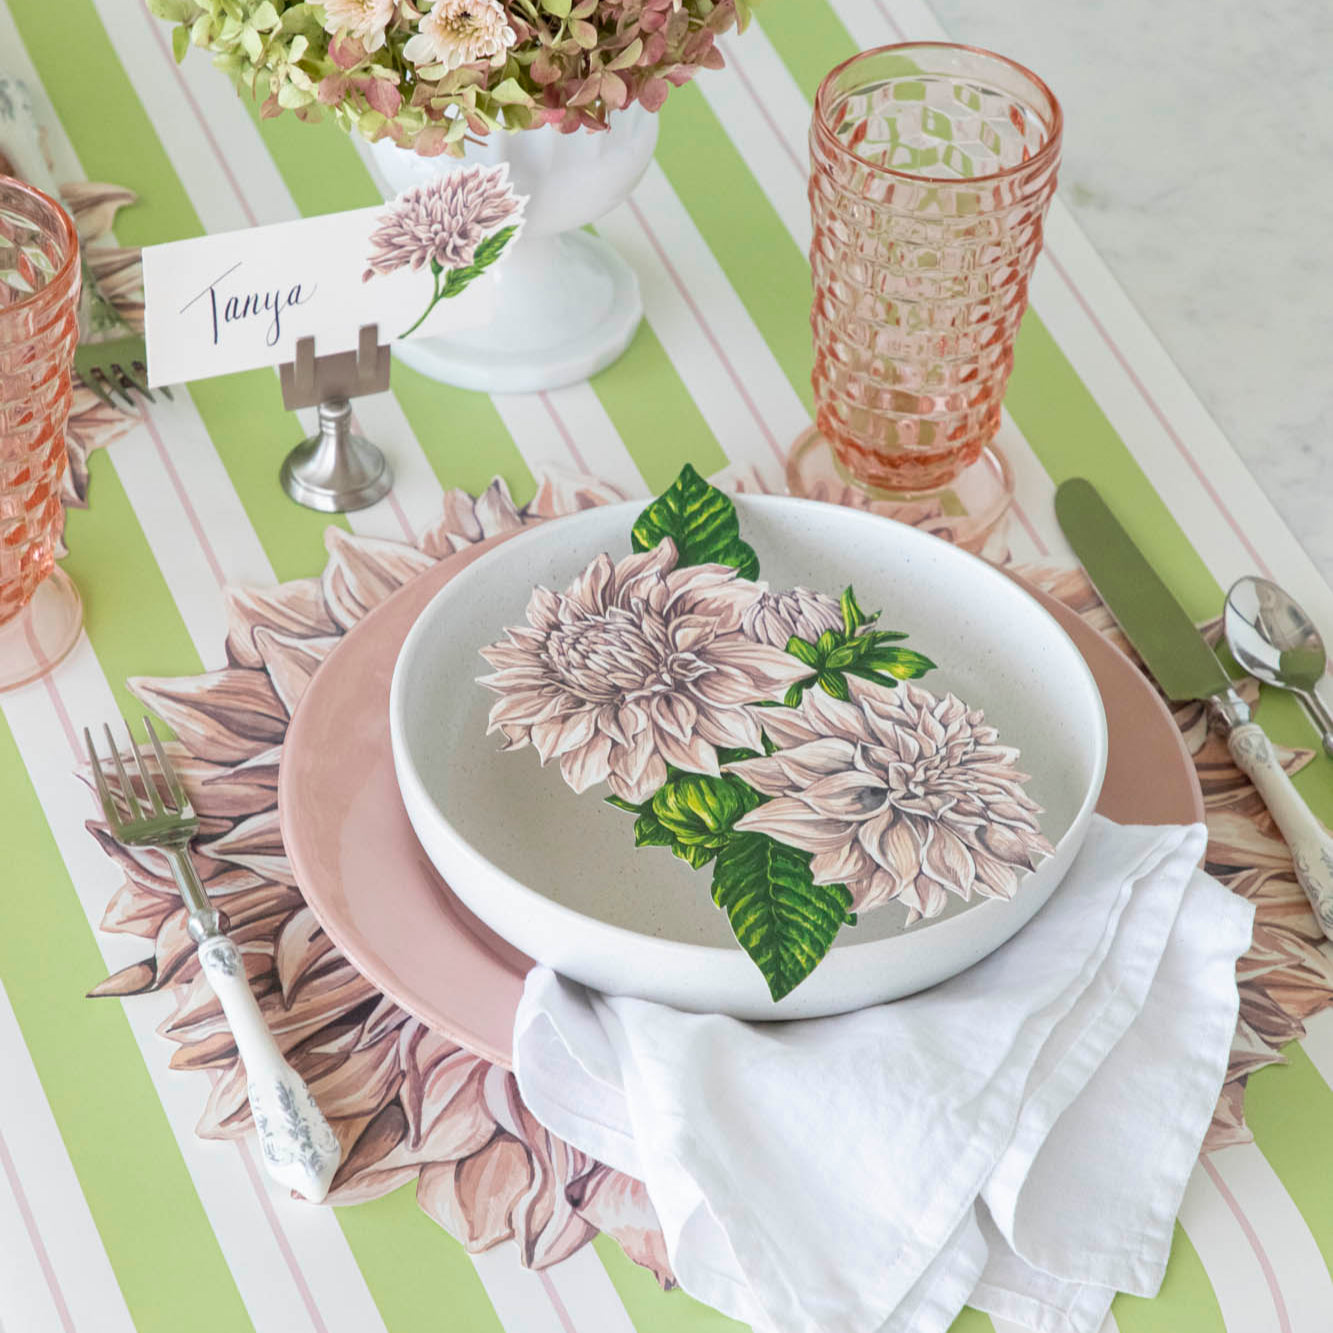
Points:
[[374, 891]]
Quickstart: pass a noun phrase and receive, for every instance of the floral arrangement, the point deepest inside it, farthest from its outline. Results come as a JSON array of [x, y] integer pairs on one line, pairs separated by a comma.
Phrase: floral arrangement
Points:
[[427, 73], [776, 736]]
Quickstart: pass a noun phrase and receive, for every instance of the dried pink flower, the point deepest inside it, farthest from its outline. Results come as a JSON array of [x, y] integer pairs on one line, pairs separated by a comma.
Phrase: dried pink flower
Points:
[[460, 32], [899, 795], [637, 666], [442, 221]]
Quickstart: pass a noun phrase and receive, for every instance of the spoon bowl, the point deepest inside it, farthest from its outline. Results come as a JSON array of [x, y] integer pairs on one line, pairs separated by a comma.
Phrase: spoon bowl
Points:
[[1273, 639]]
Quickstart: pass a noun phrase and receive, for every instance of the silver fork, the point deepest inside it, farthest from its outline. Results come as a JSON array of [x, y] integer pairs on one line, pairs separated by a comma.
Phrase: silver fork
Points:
[[110, 357], [299, 1149]]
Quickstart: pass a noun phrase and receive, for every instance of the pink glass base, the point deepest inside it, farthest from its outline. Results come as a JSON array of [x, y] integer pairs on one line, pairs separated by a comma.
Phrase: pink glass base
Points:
[[42, 634], [966, 512]]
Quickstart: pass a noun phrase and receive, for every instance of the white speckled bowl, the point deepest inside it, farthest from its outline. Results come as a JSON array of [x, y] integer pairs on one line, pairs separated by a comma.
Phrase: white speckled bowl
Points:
[[558, 874]]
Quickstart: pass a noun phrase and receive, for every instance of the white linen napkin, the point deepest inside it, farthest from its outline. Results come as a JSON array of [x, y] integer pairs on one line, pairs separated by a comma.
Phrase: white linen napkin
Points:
[[1017, 1138]]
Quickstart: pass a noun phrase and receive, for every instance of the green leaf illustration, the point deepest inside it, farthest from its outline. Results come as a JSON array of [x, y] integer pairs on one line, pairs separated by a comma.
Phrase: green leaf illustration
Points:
[[702, 522], [779, 915], [692, 813], [855, 650]]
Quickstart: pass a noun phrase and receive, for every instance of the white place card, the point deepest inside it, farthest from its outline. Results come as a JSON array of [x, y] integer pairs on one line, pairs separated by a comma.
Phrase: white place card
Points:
[[419, 265]]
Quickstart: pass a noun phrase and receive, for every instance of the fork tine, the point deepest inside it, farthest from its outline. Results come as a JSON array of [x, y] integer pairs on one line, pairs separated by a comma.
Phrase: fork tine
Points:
[[137, 375], [168, 772], [111, 382], [103, 791], [126, 786], [94, 379], [149, 785]]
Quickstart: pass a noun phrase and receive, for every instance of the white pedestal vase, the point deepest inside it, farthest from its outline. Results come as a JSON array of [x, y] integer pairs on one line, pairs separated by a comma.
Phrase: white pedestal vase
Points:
[[566, 303]]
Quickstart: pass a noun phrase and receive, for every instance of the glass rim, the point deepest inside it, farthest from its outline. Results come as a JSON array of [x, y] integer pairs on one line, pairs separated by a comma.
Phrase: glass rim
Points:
[[57, 288], [1048, 150]]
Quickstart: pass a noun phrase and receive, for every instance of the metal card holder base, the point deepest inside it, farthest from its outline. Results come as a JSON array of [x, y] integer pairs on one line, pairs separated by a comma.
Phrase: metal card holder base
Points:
[[335, 470]]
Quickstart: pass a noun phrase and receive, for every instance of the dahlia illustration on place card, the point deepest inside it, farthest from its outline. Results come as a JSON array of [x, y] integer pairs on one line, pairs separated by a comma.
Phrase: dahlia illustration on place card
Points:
[[775, 735], [451, 225]]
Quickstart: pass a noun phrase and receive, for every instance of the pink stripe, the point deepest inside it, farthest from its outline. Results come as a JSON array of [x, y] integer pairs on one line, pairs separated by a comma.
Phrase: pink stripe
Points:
[[890, 20], [564, 430], [35, 1237], [396, 509], [186, 504], [1265, 1264], [1161, 416], [160, 39], [52, 694], [562, 1312], [739, 70], [1041, 546], [778, 452], [280, 1236]]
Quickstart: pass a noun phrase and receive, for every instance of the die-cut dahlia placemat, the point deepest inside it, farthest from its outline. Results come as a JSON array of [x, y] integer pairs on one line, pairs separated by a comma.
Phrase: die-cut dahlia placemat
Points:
[[408, 1104]]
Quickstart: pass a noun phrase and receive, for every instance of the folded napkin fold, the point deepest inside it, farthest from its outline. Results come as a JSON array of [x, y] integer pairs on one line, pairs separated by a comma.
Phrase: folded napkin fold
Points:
[[1018, 1138]]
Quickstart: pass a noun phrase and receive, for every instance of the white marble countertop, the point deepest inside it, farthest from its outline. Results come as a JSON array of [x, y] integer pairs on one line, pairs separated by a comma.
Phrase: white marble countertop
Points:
[[1198, 158]]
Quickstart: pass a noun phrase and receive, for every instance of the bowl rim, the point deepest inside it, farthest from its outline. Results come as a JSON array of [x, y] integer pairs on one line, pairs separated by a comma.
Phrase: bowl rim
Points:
[[416, 794]]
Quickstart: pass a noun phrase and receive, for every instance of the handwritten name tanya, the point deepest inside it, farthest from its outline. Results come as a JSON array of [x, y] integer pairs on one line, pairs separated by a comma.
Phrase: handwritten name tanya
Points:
[[245, 306]]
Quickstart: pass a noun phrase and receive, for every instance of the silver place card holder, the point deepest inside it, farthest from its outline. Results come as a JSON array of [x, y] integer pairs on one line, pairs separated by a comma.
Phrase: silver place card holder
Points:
[[335, 470]]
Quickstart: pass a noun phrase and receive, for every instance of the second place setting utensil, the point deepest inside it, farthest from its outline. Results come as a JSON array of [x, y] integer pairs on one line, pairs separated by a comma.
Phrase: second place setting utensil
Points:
[[300, 1151], [1272, 638], [1186, 667]]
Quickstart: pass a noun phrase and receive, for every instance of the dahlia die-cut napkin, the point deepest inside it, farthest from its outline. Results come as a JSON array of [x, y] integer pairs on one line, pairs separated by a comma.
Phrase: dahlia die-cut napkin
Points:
[[1018, 1137]]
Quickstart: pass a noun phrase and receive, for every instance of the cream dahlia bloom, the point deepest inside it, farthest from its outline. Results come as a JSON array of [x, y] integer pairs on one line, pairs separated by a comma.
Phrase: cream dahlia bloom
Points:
[[460, 32], [637, 666], [365, 20], [441, 221], [778, 617], [899, 795]]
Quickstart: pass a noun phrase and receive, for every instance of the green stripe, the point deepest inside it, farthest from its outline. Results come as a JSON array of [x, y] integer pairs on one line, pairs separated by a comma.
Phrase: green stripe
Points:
[[1071, 436], [762, 261], [318, 163], [252, 432], [423, 1278], [1186, 1303], [809, 36], [651, 1309], [1287, 723], [659, 422], [153, 1226], [461, 434], [971, 1321], [1290, 1109], [104, 119], [128, 611]]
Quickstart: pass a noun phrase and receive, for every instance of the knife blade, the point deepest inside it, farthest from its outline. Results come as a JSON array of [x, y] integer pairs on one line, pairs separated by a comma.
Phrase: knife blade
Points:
[[1178, 656], [1184, 665]]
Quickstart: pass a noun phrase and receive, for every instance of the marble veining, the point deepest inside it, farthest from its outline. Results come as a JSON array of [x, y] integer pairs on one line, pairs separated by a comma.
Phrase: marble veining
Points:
[[1199, 161]]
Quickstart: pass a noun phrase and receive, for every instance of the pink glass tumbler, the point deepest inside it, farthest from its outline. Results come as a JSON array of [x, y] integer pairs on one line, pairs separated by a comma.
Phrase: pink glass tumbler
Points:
[[40, 277], [931, 170]]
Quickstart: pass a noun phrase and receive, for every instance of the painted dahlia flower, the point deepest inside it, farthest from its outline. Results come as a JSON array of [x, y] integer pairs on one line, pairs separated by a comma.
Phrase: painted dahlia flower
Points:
[[443, 221], [778, 617], [460, 32], [637, 666], [899, 794]]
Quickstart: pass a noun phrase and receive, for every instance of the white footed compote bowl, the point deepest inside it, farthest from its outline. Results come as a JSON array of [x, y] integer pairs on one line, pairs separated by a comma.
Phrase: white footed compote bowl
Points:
[[566, 303]]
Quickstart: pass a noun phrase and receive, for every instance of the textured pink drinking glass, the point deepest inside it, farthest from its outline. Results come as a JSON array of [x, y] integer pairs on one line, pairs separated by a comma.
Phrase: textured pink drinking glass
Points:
[[40, 272], [932, 167]]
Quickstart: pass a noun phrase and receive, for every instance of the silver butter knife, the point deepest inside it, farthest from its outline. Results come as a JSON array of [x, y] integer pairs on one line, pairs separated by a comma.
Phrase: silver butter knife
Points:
[[1184, 665]]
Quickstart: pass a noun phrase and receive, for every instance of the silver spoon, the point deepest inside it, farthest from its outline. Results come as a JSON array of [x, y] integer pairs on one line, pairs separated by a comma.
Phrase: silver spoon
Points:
[[1276, 642]]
